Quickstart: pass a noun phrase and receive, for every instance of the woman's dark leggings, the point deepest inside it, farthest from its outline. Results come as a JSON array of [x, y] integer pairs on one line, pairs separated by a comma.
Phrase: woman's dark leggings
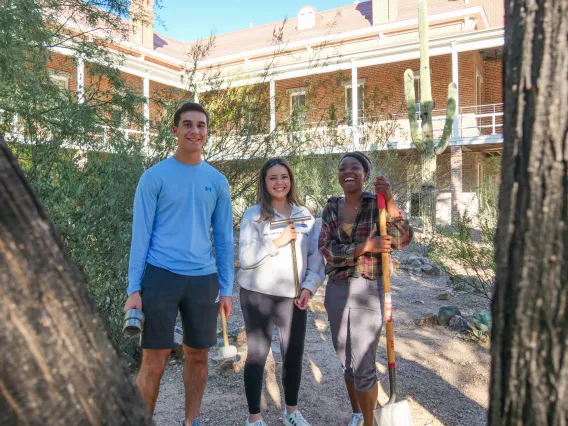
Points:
[[261, 312]]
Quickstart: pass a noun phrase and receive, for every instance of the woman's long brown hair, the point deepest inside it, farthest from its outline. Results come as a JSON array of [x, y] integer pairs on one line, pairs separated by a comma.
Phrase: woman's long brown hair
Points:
[[264, 198]]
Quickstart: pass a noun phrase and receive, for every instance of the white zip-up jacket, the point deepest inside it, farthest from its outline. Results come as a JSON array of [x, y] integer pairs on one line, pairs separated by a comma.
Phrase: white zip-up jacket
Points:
[[269, 270]]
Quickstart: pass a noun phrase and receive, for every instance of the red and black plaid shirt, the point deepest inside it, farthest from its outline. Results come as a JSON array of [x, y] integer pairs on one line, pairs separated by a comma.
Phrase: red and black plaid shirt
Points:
[[338, 248]]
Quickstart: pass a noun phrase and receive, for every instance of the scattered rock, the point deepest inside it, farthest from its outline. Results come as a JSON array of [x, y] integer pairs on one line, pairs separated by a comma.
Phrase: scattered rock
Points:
[[427, 320], [444, 296], [418, 265], [458, 323], [395, 263], [463, 282], [416, 271], [432, 270], [417, 302], [468, 318], [446, 313], [483, 318]]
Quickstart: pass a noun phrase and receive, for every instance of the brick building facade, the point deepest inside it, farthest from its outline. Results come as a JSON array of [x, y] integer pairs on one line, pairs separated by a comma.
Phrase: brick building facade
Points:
[[466, 39]]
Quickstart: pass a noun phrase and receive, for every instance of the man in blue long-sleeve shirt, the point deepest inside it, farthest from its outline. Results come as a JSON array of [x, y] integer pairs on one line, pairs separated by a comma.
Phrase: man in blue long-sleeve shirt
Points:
[[172, 267]]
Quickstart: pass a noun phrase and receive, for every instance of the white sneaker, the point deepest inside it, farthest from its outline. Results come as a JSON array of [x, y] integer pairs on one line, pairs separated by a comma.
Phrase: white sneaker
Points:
[[257, 423], [294, 419], [356, 419]]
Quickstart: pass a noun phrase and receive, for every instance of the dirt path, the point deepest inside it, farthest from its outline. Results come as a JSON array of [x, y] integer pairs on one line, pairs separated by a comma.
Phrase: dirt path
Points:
[[444, 378]]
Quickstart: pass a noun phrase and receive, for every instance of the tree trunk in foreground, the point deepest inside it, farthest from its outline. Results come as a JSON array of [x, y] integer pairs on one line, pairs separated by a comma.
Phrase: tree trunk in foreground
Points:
[[57, 364], [529, 374]]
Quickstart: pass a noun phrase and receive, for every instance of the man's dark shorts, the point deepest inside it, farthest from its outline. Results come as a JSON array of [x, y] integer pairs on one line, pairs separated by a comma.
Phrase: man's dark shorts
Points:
[[196, 298]]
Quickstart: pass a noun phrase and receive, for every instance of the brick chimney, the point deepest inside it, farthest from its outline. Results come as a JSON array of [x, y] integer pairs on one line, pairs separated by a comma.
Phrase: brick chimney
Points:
[[384, 11], [142, 22]]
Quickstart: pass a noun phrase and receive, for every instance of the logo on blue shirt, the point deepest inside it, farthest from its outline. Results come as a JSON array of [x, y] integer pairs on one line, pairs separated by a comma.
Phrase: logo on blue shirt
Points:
[[208, 188]]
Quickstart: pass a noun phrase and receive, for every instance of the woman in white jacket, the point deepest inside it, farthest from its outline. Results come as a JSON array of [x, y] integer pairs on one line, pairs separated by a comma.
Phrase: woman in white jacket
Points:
[[267, 285]]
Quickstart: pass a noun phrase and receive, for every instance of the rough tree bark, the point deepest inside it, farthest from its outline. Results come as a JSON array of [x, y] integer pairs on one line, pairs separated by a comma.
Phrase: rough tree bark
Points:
[[529, 373], [57, 364]]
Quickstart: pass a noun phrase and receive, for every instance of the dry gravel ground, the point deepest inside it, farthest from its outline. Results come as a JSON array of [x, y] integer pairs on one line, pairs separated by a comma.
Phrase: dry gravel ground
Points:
[[444, 377]]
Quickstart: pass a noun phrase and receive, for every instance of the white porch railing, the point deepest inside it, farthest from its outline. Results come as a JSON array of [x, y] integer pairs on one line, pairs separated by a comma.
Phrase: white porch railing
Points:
[[374, 132], [481, 119]]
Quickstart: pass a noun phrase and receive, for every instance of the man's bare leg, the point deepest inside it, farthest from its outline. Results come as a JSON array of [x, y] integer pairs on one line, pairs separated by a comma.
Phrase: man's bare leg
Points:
[[195, 379], [150, 374]]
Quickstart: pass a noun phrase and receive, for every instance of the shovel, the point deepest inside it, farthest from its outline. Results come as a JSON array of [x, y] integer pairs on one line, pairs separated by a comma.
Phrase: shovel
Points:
[[393, 413]]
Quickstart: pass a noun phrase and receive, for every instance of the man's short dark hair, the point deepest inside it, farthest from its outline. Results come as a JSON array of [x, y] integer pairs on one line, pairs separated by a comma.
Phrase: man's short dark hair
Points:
[[189, 106]]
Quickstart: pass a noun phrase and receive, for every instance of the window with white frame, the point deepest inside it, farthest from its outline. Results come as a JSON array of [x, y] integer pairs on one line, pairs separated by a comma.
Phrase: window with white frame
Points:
[[360, 99], [298, 103], [60, 79], [478, 88]]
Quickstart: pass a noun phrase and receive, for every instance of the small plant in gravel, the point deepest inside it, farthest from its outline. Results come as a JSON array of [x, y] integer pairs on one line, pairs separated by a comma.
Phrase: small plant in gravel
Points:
[[478, 335], [466, 251], [467, 256]]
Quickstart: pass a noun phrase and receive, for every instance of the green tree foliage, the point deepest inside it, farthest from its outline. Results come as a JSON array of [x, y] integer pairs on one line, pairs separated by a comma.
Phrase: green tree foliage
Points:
[[85, 154], [77, 157]]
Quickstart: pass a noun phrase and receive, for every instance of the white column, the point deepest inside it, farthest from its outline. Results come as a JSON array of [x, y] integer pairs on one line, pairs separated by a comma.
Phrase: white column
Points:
[[354, 109], [456, 183], [456, 78], [196, 96], [80, 80], [272, 105], [146, 111]]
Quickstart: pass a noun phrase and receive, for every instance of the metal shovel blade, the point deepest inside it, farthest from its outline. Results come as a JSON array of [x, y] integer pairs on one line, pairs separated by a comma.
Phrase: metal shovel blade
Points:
[[394, 414]]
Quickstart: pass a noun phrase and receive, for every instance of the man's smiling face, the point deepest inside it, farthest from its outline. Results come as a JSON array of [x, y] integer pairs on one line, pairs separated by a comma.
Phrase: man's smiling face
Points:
[[191, 131]]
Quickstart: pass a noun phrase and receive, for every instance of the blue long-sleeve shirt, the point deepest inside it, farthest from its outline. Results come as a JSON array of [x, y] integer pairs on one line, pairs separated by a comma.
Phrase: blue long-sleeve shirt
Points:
[[175, 207]]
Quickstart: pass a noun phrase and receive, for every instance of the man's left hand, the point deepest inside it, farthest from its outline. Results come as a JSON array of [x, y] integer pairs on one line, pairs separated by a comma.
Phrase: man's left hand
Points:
[[226, 302]]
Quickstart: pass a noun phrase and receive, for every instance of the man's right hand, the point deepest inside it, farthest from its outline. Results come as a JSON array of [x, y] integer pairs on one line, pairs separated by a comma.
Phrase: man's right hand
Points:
[[134, 301], [379, 244]]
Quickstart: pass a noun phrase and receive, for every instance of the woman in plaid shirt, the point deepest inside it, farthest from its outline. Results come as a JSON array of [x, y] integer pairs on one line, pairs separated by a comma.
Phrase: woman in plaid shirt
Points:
[[350, 243]]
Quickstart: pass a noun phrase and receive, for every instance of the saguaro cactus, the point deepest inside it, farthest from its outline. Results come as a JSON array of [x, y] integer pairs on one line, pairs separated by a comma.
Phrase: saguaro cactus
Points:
[[425, 143]]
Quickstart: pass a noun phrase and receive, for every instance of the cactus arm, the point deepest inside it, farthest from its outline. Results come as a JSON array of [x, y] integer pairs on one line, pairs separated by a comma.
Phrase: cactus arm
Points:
[[425, 83], [450, 115], [411, 105]]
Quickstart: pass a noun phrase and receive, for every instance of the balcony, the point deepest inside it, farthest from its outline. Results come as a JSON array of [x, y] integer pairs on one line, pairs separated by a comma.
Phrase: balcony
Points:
[[476, 124]]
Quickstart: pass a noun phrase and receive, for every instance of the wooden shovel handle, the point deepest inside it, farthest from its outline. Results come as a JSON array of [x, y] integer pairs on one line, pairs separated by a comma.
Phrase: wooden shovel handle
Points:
[[385, 257]]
